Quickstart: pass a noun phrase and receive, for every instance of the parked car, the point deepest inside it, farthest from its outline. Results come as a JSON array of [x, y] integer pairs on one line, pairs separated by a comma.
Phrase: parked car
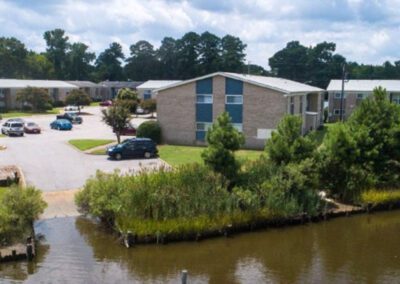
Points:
[[129, 130], [61, 124], [140, 110], [12, 127], [31, 127], [106, 103], [133, 148], [71, 116], [20, 120], [71, 108]]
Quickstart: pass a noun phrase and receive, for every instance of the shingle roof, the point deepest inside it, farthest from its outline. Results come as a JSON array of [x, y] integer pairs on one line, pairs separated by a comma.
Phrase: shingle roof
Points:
[[155, 84], [83, 84], [364, 85], [279, 84], [17, 83], [120, 84]]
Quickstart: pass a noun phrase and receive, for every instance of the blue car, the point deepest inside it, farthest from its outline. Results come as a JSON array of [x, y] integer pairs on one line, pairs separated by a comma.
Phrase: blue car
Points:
[[61, 124]]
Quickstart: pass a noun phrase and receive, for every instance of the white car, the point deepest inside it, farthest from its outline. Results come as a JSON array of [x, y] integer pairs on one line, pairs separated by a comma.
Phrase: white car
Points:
[[13, 127], [71, 109]]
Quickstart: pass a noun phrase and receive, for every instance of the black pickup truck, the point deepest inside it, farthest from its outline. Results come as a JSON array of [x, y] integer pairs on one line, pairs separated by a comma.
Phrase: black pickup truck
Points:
[[74, 118]]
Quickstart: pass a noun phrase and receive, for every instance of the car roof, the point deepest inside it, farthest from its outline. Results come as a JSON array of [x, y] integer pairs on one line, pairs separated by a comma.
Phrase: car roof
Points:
[[138, 140], [63, 120]]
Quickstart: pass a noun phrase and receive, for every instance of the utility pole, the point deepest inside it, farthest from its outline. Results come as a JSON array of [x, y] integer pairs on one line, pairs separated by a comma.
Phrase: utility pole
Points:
[[344, 78]]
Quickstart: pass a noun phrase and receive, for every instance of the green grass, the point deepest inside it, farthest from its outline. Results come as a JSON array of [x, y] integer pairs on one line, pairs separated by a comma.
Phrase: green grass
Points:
[[101, 151], [179, 155], [12, 114], [95, 104], [2, 135], [376, 197], [86, 144], [3, 190]]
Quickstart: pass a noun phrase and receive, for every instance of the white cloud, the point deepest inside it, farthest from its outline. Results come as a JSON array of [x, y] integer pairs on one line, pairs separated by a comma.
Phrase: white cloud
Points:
[[366, 31]]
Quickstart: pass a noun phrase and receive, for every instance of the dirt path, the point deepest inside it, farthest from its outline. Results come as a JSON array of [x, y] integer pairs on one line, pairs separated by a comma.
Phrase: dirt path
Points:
[[60, 204]]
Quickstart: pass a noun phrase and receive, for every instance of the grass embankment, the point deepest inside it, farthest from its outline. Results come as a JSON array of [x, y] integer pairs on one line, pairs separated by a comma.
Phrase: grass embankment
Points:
[[12, 114], [380, 197], [94, 104], [86, 144], [179, 155]]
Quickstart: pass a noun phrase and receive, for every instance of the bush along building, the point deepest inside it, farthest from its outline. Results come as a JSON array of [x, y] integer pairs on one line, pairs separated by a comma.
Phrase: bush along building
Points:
[[354, 92], [256, 104]]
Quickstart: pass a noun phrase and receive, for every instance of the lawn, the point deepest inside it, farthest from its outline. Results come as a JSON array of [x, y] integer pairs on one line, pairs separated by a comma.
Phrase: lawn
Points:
[[2, 191], [95, 104], [86, 144], [12, 114], [178, 155]]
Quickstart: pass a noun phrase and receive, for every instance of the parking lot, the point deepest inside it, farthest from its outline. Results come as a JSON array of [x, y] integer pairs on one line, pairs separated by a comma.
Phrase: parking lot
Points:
[[51, 164]]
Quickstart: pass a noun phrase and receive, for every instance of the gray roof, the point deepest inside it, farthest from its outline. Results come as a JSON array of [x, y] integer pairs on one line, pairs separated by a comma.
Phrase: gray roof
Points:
[[155, 84], [120, 84], [18, 84], [83, 84], [278, 84], [364, 85]]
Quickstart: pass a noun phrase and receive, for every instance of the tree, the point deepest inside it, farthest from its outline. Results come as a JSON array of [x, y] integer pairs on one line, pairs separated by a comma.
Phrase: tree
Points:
[[37, 98], [143, 64], [223, 140], [287, 144], [188, 53], [78, 98], [38, 66], [149, 106], [79, 62], [150, 129], [117, 117], [167, 54], [209, 53], [13, 55], [128, 98], [57, 47], [108, 64], [233, 54]]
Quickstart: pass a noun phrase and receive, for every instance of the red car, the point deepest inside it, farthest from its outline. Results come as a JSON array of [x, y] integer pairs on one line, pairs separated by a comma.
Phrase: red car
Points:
[[106, 103], [129, 130], [31, 127]]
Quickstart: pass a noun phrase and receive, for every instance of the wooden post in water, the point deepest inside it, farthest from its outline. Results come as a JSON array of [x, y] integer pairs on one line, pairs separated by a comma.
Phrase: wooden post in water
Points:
[[184, 276], [29, 249]]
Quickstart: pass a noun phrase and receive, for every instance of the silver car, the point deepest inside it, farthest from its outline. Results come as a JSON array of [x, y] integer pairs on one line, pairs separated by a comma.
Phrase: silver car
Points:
[[13, 127]]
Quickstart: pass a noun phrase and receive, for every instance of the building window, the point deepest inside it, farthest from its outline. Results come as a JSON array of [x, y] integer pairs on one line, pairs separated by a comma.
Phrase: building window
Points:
[[238, 126], [234, 99], [204, 99], [338, 96], [301, 105], [337, 112], [291, 105], [396, 98], [360, 96], [2, 94], [203, 126]]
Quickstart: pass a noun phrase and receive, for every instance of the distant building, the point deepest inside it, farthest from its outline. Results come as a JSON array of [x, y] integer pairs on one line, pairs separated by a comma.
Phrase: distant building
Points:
[[256, 104], [58, 90], [148, 90], [109, 89], [90, 88], [354, 92]]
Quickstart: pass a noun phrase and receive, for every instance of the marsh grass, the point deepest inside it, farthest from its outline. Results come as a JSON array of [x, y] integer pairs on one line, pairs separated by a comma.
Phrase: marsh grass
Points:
[[380, 197]]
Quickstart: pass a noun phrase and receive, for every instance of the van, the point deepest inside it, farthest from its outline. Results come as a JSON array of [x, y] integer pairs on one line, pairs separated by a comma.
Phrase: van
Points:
[[133, 148]]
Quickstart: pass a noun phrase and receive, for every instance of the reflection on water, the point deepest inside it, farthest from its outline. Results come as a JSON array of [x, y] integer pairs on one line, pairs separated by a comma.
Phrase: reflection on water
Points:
[[359, 249]]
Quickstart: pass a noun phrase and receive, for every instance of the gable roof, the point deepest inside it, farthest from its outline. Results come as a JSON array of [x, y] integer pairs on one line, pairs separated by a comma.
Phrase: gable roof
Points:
[[155, 84], [17, 83], [120, 84], [364, 85], [278, 84]]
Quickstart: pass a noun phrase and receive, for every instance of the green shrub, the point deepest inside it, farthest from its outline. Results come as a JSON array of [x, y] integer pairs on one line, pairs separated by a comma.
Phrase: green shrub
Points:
[[19, 208], [150, 129], [58, 103]]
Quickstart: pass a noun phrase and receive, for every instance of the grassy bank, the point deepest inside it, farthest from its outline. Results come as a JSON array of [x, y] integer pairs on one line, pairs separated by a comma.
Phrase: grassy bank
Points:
[[12, 114], [86, 144], [380, 197], [179, 155]]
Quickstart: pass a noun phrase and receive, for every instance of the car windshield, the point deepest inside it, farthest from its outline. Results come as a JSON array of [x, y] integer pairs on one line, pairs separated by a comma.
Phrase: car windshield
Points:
[[32, 124], [16, 125]]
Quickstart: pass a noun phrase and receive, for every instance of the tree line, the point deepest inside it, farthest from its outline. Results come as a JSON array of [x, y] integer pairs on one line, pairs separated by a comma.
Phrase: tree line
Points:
[[190, 56]]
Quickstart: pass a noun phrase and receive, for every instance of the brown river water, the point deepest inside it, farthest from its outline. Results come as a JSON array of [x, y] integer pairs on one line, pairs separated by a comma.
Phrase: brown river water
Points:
[[357, 249]]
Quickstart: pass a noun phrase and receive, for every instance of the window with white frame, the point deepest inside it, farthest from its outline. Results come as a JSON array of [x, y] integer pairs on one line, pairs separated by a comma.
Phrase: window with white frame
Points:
[[339, 95], [238, 126], [203, 126], [234, 99], [291, 105], [336, 111], [204, 99], [396, 98], [360, 96]]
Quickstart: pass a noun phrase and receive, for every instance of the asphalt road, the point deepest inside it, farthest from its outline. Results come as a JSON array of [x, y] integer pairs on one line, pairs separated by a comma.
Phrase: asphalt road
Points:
[[51, 164]]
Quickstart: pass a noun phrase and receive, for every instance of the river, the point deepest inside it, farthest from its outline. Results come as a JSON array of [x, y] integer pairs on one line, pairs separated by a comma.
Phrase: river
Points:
[[357, 249]]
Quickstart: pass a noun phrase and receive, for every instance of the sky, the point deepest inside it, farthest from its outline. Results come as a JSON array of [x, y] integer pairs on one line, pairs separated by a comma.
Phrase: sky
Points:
[[366, 31]]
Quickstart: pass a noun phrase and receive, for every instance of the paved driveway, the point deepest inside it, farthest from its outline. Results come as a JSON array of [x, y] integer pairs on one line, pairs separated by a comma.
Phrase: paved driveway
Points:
[[51, 164]]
